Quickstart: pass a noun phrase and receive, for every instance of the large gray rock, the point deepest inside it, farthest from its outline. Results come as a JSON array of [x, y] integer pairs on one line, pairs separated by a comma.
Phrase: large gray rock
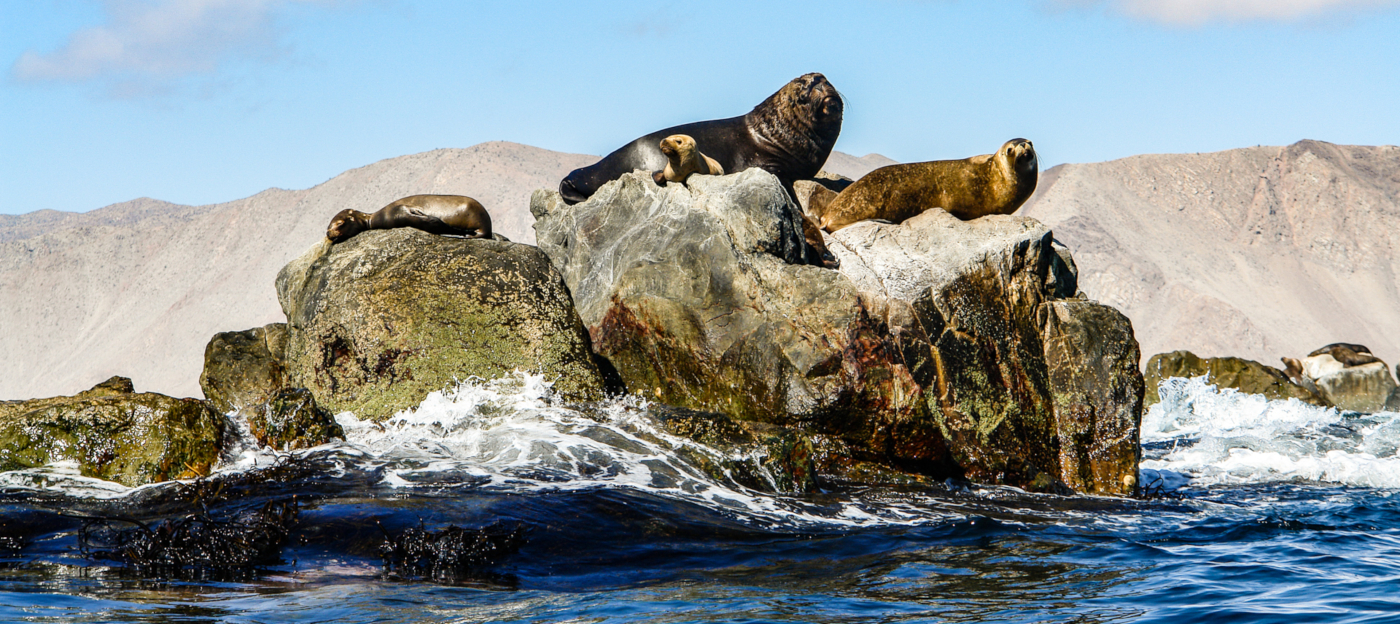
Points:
[[922, 353], [378, 322]]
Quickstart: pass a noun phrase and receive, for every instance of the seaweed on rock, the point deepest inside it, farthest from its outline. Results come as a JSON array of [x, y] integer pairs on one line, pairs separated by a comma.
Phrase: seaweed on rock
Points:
[[451, 555], [196, 545]]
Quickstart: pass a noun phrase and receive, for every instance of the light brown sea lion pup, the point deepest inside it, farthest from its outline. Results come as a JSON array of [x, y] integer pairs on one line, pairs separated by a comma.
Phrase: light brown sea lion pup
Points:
[[456, 215], [684, 158], [973, 187]]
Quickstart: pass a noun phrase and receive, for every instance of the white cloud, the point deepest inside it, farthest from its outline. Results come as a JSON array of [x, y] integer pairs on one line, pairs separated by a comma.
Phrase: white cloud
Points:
[[1197, 12], [156, 42]]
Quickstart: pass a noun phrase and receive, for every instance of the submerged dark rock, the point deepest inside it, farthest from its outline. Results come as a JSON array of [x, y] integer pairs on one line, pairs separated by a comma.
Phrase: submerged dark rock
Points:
[[113, 433], [1227, 372], [922, 355], [378, 322]]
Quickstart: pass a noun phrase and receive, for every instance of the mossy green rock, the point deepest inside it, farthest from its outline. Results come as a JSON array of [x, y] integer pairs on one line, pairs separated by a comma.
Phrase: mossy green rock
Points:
[[113, 434], [1244, 375], [291, 419], [921, 356], [243, 369], [378, 322]]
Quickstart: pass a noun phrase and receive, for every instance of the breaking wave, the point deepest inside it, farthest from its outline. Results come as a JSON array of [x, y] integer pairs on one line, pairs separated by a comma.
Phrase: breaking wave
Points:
[[1210, 436]]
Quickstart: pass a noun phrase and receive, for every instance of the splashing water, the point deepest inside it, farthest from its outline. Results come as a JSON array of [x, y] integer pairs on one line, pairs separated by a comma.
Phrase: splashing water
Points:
[[1222, 436]]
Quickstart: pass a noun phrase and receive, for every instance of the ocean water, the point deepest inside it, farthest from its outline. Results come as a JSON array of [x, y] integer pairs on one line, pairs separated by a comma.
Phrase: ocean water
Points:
[[1257, 511]]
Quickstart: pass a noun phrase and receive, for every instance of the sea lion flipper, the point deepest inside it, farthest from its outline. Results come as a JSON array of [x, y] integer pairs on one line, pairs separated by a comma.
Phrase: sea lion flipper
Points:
[[659, 177], [713, 165]]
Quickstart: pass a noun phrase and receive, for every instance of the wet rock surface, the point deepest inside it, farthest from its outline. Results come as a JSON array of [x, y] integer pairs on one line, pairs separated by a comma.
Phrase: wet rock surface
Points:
[[922, 355], [243, 369], [113, 433], [378, 322], [1227, 372]]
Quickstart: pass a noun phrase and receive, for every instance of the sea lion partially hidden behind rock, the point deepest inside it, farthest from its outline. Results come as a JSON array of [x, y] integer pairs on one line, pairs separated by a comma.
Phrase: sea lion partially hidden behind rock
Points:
[[789, 135], [456, 215], [683, 158], [973, 187]]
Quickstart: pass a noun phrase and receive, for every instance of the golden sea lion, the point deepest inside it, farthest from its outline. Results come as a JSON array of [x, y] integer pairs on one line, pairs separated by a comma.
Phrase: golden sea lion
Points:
[[456, 215], [683, 158], [973, 187]]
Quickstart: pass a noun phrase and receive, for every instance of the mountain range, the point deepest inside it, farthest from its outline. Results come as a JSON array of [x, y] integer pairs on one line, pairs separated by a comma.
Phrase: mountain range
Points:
[[1258, 252]]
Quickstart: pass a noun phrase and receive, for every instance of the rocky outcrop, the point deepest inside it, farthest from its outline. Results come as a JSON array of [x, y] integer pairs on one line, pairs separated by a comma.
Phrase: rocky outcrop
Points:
[[1097, 391], [244, 372], [291, 419], [378, 322], [1227, 372], [113, 433], [1364, 388], [923, 354], [243, 369]]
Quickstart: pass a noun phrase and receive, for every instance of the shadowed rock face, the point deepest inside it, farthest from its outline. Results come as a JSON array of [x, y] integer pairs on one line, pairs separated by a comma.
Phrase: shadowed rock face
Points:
[[244, 369], [1227, 372], [378, 322], [924, 354], [113, 433], [1093, 359]]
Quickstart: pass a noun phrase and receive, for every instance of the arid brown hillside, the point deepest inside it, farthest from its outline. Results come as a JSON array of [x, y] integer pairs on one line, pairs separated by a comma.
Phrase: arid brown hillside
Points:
[[138, 288], [1259, 252]]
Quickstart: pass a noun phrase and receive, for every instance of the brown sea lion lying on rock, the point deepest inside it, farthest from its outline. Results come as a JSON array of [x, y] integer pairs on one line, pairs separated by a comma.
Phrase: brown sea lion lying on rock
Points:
[[1325, 361], [973, 187], [1348, 354], [454, 215], [683, 159]]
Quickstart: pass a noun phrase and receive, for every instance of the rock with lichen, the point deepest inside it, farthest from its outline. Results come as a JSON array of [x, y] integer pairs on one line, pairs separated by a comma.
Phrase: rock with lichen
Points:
[[1240, 374], [923, 355], [379, 321], [113, 433]]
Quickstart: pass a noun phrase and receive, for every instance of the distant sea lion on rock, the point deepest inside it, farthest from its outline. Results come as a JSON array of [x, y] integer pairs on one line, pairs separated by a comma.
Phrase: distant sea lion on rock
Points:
[[683, 158], [973, 187], [789, 135], [1348, 354], [456, 215]]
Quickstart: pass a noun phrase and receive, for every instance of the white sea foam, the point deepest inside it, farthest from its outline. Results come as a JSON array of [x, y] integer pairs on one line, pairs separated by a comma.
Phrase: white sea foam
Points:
[[507, 433], [1225, 436]]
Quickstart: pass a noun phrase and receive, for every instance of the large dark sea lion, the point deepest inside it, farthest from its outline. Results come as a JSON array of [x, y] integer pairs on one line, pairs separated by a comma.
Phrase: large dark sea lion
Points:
[[973, 187], [789, 135], [684, 159], [456, 215]]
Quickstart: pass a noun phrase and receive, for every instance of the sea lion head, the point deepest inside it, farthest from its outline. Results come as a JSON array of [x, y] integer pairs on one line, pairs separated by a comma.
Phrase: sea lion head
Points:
[[1018, 155], [678, 147], [345, 224], [803, 119]]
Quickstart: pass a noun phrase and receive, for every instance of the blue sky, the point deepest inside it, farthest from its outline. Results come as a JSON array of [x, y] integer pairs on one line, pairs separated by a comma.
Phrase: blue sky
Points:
[[205, 101]]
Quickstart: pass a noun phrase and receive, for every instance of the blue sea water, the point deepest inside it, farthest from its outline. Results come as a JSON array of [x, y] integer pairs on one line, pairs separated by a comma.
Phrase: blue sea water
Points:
[[1259, 511]]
